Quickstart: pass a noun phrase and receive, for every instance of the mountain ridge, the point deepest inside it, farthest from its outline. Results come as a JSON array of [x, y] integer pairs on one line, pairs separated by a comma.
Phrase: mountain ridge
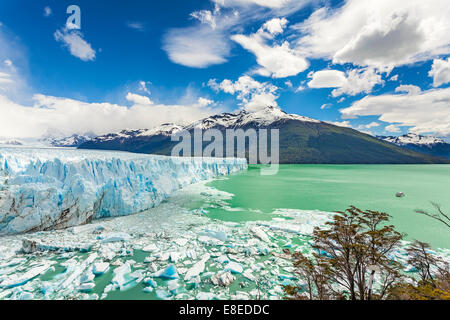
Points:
[[302, 139], [425, 144]]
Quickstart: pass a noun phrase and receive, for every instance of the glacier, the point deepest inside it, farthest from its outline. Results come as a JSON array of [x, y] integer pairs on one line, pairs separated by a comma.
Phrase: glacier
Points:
[[46, 189]]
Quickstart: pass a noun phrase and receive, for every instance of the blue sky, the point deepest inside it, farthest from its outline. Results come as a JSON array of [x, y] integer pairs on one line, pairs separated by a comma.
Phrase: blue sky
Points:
[[379, 67]]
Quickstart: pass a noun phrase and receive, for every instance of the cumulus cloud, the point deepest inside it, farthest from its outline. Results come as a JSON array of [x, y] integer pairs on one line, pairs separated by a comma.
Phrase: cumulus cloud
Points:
[[68, 116], [327, 79], [278, 61], [408, 88], [73, 40], [138, 99], [253, 95], [380, 34], [275, 26], [392, 128], [424, 112], [440, 72], [345, 124], [351, 83]]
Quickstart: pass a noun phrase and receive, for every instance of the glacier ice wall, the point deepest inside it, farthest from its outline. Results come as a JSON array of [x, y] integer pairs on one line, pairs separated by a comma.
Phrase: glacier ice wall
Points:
[[44, 189]]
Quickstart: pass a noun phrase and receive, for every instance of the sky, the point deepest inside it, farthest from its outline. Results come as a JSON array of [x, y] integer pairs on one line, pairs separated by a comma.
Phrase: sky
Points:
[[381, 67]]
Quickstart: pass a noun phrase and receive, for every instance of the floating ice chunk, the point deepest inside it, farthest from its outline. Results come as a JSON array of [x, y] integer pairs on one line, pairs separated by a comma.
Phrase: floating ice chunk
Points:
[[150, 248], [100, 268], [12, 262], [219, 235], [181, 241], [175, 256], [249, 275], [234, 267], [162, 294], [86, 228], [223, 259], [260, 234], [86, 287], [197, 268], [168, 273], [240, 295], [209, 240], [150, 282], [122, 277], [224, 279], [173, 286], [148, 289], [23, 295], [286, 276], [32, 245], [87, 277], [205, 296], [18, 280], [115, 237]]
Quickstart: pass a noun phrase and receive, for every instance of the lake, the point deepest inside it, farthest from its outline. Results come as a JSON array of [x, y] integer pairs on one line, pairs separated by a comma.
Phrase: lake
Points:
[[336, 187]]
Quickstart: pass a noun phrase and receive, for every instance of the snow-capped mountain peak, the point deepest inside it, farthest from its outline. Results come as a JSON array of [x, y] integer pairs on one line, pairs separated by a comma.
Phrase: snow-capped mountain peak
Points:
[[412, 139], [73, 141], [260, 118]]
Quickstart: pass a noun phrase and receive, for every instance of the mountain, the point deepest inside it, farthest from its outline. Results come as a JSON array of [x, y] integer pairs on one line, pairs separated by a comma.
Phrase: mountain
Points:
[[302, 139], [425, 144], [73, 141], [11, 142]]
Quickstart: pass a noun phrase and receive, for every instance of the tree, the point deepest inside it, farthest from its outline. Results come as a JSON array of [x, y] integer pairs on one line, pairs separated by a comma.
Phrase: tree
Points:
[[316, 275], [348, 252], [439, 216], [428, 265], [433, 272]]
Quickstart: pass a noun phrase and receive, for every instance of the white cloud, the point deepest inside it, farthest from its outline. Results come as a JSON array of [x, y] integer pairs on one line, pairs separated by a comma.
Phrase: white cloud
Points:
[[138, 99], [139, 26], [440, 71], [289, 84], [47, 12], [253, 94], [143, 87], [327, 79], [74, 41], [408, 88], [392, 128], [300, 88], [196, 47], [208, 42], [279, 61], [272, 4], [381, 34], [394, 78], [351, 83], [206, 16], [372, 125], [275, 26], [425, 112], [69, 116], [325, 106], [345, 124], [203, 102]]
